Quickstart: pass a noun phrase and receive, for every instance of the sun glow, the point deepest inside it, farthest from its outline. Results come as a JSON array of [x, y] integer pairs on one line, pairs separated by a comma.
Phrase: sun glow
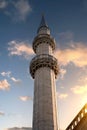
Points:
[[86, 110], [84, 101]]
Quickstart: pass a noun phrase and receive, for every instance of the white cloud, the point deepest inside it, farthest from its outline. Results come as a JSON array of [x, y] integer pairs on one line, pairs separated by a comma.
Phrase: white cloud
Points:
[[3, 4], [76, 54], [15, 80], [62, 95], [22, 9], [65, 35], [4, 85], [25, 98], [62, 73], [2, 113], [20, 49], [6, 73], [79, 89]]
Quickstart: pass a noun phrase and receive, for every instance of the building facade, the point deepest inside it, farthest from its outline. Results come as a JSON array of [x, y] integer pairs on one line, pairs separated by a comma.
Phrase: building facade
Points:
[[80, 121], [44, 71]]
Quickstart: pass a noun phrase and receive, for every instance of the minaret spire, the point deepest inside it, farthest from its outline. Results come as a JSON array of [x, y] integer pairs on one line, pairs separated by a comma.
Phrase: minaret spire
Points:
[[43, 27], [43, 22]]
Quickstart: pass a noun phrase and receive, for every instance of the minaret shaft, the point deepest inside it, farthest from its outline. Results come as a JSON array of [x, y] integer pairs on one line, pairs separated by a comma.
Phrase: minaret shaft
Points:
[[44, 100]]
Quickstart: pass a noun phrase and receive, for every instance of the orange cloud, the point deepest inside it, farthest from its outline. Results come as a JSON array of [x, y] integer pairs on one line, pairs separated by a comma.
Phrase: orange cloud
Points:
[[79, 89], [20, 49], [4, 85], [75, 54]]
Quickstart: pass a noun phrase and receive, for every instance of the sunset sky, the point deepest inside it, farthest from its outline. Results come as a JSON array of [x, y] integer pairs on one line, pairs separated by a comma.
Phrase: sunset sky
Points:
[[19, 21]]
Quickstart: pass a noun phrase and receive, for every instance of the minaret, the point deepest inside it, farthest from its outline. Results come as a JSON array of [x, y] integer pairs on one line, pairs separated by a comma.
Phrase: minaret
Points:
[[44, 71]]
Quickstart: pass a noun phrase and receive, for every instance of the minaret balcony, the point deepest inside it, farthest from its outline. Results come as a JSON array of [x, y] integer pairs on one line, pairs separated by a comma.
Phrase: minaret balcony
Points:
[[43, 38], [44, 60]]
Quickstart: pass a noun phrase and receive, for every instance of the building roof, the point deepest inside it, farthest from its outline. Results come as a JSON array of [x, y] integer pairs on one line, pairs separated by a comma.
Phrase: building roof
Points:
[[42, 23]]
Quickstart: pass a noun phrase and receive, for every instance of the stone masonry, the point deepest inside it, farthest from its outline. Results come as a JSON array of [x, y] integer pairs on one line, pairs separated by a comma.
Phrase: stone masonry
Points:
[[44, 71]]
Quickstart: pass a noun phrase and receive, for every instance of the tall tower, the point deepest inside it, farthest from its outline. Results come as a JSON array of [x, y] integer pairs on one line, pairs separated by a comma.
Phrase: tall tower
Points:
[[44, 70]]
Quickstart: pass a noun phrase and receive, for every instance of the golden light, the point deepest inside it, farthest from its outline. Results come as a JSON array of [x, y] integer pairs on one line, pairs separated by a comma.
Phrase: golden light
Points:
[[84, 100], [86, 110]]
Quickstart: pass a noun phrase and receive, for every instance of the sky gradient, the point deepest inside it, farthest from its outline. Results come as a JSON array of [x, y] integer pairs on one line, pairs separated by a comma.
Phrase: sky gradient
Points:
[[19, 21]]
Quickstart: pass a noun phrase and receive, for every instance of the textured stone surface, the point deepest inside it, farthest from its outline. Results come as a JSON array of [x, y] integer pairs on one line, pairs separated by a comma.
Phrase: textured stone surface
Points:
[[44, 49], [44, 69], [45, 112]]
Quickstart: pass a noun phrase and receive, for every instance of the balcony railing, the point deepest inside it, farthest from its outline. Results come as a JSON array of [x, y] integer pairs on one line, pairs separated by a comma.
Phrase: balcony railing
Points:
[[44, 60], [44, 38]]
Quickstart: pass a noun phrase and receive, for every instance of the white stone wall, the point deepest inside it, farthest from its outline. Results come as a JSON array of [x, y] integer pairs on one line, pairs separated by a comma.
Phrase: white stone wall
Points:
[[45, 113], [44, 30], [44, 48]]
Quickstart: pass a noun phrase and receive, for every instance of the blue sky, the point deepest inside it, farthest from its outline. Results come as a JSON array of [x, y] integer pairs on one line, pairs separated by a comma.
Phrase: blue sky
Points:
[[19, 21]]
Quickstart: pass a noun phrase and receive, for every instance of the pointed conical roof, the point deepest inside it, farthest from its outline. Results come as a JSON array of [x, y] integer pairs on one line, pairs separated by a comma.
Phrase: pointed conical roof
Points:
[[42, 24]]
